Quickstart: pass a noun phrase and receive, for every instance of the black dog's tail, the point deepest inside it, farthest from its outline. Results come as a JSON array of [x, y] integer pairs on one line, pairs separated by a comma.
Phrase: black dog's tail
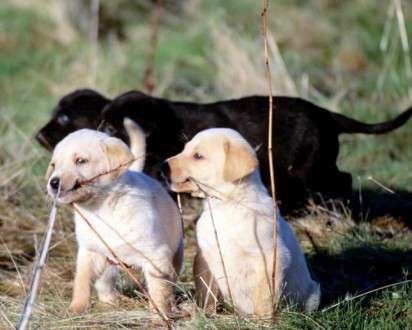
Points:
[[348, 125]]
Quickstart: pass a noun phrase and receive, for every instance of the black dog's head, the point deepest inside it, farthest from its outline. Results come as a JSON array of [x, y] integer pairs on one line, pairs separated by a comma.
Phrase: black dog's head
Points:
[[156, 116], [79, 109]]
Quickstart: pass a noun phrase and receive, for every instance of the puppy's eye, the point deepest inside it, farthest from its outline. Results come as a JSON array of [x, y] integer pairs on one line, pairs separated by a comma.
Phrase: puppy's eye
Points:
[[80, 161], [109, 129], [197, 156], [63, 120]]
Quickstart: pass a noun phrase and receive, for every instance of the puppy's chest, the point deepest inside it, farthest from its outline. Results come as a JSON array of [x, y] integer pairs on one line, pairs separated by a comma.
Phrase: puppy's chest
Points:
[[227, 230], [240, 230], [118, 231]]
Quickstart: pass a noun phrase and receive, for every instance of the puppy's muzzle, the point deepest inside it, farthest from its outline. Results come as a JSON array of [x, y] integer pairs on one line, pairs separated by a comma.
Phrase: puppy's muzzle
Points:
[[42, 139], [56, 184]]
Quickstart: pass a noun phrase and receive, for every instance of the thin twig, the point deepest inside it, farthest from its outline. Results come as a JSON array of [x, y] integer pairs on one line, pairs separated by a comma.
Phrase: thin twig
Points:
[[209, 292], [264, 17], [179, 206], [94, 38], [125, 267], [3, 314], [220, 195], [370, 178], [387, 28], [148, 78], [404, 37], [37, 270], [126, 164], [365, 294], [222, 260]]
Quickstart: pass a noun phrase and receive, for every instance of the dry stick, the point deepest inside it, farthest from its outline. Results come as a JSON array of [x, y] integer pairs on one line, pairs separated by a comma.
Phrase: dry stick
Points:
[[38, 267], [179, 206], [387, 28], [148, 79], [270, 153], [94, 38], [371, 178], [220, 251], [125, 268], [126, 164], [3, 314], [404, 37]]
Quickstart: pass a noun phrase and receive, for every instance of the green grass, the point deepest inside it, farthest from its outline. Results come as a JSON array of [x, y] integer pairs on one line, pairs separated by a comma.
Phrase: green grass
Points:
[[201, 56]]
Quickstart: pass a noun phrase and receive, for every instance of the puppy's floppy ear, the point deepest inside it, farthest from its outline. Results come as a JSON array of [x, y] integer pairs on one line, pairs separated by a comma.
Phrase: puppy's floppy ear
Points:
[[49, 170], [118, 155], [240, 161]]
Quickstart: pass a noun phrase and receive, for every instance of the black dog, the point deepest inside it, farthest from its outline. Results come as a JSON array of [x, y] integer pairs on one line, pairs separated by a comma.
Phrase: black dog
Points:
[[79, 109], [306, 142]]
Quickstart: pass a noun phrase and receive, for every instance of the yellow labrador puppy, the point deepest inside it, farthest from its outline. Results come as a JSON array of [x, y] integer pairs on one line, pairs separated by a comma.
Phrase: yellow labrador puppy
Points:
[[131, 211], [220, 163]]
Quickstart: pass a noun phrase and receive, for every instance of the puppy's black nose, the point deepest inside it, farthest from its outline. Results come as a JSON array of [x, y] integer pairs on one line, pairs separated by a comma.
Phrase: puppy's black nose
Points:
[[54, 183], [165, 168]]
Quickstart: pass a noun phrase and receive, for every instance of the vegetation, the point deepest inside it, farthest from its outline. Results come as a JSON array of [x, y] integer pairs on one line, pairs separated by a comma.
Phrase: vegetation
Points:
[[329, 52]]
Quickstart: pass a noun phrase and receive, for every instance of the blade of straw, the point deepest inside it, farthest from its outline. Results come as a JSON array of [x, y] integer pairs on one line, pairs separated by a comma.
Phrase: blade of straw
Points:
[[37, 270], [264, 17]]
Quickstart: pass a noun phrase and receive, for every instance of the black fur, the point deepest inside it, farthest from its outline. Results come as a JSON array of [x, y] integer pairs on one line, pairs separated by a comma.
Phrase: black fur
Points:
[[79, 109], [306, 142]]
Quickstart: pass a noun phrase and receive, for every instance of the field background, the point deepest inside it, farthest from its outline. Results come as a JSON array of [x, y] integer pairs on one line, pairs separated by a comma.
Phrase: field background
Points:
[[335, 53]]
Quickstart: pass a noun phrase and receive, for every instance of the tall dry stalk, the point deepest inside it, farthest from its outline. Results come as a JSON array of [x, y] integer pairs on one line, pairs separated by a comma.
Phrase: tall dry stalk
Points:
[[404, 37], [264, 18], [94, 39], [37, 270], [148, 77]]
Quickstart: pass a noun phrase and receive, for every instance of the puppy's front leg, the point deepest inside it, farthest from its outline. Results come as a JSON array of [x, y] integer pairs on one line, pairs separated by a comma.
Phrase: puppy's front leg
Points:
[[82, 281], [206, 287], [263, 300], [106, 282], [160, 287]]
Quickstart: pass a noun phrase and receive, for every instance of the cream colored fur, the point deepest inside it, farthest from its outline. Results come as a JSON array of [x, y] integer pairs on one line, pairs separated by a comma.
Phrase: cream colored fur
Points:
[[131, 211], [137, 144], [220, 163]]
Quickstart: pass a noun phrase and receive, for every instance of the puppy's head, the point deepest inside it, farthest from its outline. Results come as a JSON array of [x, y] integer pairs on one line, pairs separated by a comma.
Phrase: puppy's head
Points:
[[83, 162], [213, 158], [77, 110]]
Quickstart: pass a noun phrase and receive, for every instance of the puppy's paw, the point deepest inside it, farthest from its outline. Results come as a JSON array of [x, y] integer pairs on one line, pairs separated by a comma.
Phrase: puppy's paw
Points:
[[110, 298], [78, 307]]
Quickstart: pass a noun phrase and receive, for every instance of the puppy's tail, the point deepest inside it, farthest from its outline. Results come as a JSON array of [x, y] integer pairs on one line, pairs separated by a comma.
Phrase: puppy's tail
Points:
[[137, 144], [349, 125]]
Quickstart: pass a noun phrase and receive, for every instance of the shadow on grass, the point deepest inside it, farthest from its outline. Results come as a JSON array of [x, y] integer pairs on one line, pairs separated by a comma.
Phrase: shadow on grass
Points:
[[372, 204], [358, 269]]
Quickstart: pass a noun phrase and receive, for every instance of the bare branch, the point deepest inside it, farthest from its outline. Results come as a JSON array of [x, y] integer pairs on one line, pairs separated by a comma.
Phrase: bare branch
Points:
[[37, 270], [264, 17], [148, 78]]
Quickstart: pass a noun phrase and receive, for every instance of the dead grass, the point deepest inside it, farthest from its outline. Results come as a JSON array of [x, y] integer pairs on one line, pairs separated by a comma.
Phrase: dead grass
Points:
[[346, 252]]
